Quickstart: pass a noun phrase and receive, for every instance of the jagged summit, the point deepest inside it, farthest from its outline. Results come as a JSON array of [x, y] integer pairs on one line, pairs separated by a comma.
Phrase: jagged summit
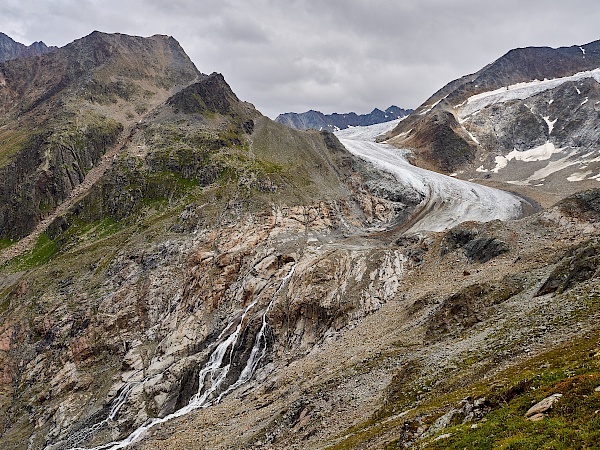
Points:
[[101, 68], [317, 120], [10, 49], [61, 111]]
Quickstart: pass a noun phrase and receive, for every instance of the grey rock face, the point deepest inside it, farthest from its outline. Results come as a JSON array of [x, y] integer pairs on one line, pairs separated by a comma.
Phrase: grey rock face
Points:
[[485, 249], [10, 49], [453, 131], [476, 248]]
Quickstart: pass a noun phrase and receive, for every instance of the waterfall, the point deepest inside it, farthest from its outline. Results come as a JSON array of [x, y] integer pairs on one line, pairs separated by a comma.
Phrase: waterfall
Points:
[[115, 406], [212, 376]]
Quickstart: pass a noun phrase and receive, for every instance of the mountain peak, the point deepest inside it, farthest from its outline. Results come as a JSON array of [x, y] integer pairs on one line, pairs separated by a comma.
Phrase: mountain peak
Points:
[[11, 49], [102, 68]]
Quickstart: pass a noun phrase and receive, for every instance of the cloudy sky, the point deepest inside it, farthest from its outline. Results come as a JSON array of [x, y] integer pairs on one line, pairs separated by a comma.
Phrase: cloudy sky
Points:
[[329, 55]]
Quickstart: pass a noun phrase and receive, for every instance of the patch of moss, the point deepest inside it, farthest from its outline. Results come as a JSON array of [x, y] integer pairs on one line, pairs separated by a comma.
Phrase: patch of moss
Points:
[[573, 423], [11, 142], [5, 242], [45, 248]]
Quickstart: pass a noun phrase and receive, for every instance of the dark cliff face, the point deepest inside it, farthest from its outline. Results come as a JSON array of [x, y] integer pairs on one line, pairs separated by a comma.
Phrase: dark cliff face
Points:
[[48, 168], [63, 110], [212, 94], [10, 49], [318, 121], [443, 138]]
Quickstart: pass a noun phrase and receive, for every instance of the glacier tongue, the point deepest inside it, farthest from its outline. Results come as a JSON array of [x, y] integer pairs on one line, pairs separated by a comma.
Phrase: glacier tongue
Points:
[[448, 201]]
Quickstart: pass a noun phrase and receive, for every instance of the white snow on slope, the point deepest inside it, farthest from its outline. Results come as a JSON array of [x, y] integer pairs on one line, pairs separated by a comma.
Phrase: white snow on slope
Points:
[[550, 123], [432, 106], [448, 201], [472, 137], [541, 153], [579, 176], [519, 91]]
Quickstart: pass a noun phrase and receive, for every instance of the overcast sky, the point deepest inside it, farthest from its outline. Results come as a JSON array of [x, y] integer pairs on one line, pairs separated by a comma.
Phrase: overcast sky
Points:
[[329, 55]]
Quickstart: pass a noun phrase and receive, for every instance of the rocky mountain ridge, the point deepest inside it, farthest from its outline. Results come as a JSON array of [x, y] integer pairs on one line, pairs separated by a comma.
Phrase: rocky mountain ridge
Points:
[[63, 109], [529, 118], [331, 122], [10, 49]]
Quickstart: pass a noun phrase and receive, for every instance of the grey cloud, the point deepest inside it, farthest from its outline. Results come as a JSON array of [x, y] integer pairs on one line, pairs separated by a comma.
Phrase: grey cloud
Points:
[[338, 55]]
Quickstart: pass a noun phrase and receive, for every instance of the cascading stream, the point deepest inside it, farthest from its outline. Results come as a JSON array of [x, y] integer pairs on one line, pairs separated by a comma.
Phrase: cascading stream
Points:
[[212, 376], [115, 407]]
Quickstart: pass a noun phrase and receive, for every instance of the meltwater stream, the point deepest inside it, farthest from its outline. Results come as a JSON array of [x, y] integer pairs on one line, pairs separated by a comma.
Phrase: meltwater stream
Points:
[[212, 376], [115, 407]]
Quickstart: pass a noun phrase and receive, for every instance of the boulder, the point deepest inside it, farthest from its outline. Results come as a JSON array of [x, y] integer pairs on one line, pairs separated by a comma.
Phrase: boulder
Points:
[[536, 412]]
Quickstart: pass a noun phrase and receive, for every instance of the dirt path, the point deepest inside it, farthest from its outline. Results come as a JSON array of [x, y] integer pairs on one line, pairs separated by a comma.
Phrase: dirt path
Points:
[[76, 194]]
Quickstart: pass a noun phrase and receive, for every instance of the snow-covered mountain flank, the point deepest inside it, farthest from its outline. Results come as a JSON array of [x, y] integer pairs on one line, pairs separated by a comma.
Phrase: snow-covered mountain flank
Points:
[[529, 119], [178, 271]]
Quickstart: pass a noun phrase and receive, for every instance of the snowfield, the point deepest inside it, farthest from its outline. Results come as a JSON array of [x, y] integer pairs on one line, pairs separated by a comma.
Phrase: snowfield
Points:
[[518, 91], [448, 201]]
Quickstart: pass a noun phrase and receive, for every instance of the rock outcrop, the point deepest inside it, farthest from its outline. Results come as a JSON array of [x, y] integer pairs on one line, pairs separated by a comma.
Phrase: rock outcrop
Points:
[[10, 49]]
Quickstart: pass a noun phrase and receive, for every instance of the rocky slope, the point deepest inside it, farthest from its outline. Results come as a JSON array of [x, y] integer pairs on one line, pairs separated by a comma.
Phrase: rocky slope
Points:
[[10, 49], [219, 204], [63, 110], [470, 340], [229, 282], [331, 122], [527, 119]]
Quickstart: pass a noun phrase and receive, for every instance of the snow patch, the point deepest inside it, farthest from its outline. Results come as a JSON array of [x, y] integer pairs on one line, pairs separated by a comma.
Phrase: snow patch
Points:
[[584, 102], [501, 163], [578, 91], [432, 106], [582, 50], [579, 176], [553, 166], [520, 91], [541, 153], [472, 137], [550, 123], [550, 101]]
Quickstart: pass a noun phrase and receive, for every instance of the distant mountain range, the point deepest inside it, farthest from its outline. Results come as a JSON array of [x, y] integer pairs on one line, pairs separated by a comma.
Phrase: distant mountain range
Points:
[[10, 49], [332, 122]]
